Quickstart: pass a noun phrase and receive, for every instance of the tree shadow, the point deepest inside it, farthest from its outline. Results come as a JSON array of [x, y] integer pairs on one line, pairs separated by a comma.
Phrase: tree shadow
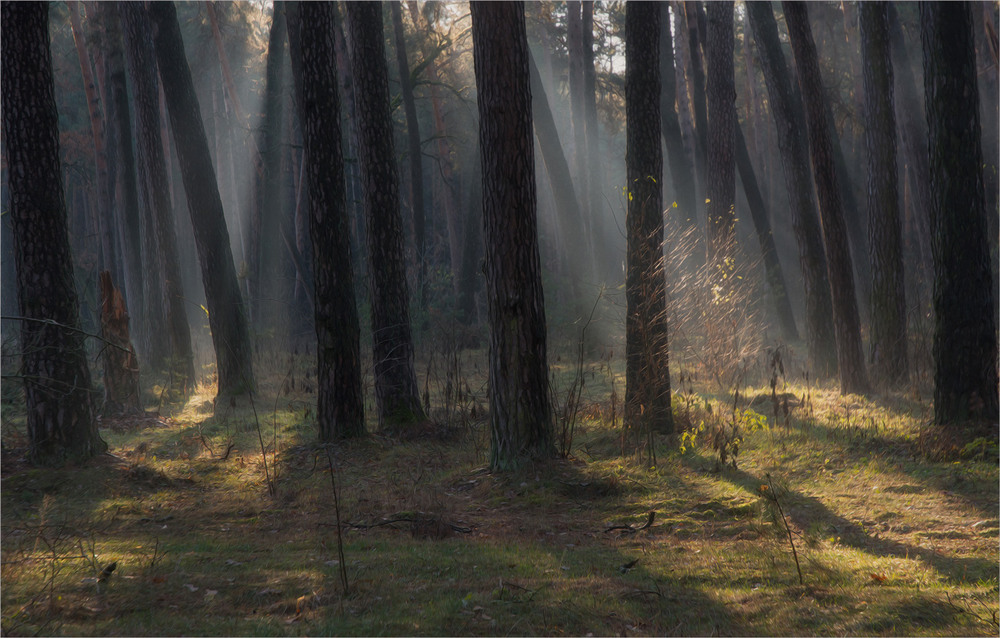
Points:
[[805, 511]]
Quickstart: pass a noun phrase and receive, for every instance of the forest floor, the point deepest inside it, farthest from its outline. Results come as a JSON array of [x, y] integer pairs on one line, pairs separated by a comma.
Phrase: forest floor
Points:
[[222, 520]]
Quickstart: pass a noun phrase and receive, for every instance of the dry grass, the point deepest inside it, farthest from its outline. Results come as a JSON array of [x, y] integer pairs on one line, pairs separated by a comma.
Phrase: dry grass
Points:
[[890, 542]]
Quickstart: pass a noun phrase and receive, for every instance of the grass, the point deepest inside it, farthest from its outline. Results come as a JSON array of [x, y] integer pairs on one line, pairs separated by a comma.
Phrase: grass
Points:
[[892, 539]]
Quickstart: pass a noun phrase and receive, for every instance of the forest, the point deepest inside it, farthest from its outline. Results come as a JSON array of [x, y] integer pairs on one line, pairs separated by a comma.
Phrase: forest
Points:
[[499, 318]]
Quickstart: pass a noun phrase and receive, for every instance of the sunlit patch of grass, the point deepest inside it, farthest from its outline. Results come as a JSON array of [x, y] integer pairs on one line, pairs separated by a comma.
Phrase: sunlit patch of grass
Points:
[[888, 541]]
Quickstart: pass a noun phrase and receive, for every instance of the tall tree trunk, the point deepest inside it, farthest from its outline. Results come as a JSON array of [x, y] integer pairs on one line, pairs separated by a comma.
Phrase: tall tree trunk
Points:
[[58, 393], [605, 267], [697, 80], [888, 300], [965, 338], [647, 371], [574, 42], [105, 204], [520, 412], [681, 171], [720, 188], [912, 134], [153, 168], [847, 325], [568, 209], [340, 400], [268, 299], [415, 154], [226, 316], [769, 254], [472, 249], [789, 123], [128, 215], [396, 391], [121, 370]]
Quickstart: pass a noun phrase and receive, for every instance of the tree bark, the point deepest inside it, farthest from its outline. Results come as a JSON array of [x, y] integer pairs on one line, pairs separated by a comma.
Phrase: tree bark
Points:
[[647, 372], [58, 393], [340, 400], [396, 391], [847, 325], [128, 214], [226, 315], [965, 341], [520, 412], [153, 169], [681, 171], [721, 111], [121, 369], [269, 300], [789, 123], [415, 154], [769, 254], [888, 299]]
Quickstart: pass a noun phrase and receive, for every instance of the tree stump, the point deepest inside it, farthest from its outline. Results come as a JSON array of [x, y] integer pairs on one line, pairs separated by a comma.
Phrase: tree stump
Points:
[[121, 367]]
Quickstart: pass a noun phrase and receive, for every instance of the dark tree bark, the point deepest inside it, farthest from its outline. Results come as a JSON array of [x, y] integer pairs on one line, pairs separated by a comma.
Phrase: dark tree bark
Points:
[[226, 315], [720, 188], [647, 372], [121, 369], [413, 143], [697, 80], [888, 300], [98, 118], [681, 171], [965, 341], [153, 169], [789, 123], [520, 412], [269, 295], [396, 391], [128, 214], [762, 224], [606, 268], [58, 393], [339, 401], [472, 249], [847, 325]]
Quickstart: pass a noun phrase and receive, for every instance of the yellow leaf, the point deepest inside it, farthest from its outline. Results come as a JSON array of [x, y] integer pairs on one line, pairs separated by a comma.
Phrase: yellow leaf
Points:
[[674, 204]]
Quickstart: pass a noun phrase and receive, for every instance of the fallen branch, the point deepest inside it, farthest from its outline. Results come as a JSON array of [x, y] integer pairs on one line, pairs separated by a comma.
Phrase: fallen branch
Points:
[[629, 529]]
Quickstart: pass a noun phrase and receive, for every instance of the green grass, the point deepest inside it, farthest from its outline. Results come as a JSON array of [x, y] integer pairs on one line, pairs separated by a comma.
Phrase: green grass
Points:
[[890, 541]]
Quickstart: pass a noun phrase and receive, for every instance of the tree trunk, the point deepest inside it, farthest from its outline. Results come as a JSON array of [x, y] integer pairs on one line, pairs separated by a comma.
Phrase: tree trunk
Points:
[[396, 391], [58, 393], [789, 123], [720, 188], [340, 400], [913, 135], [415, 152], [121, 369], [153, 168], [520, 412], [965, 341], [647, 371], [568, 210], [268, 293], [128, 214], [698, 98], [574, 44], [769, 254], [847, 325], [681, 170], [227, 319], [105, 212], [600, 227], [888, 300]]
